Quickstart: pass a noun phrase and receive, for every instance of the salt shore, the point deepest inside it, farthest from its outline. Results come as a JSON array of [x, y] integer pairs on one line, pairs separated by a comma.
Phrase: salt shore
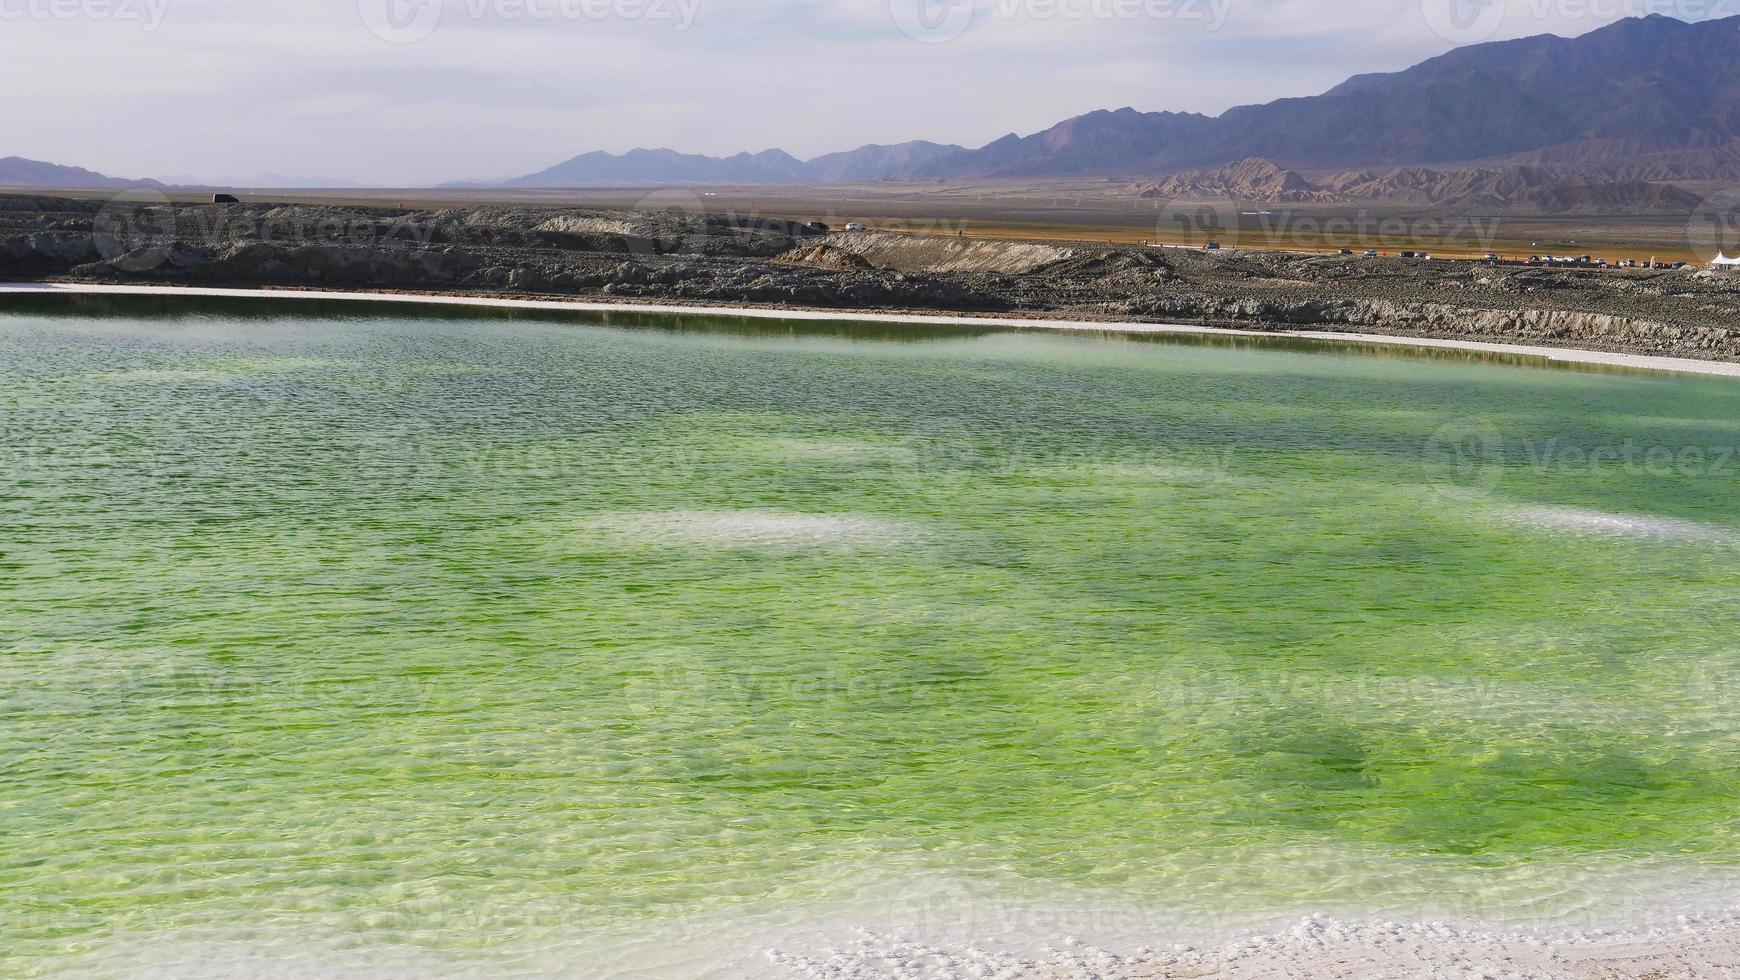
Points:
[[1550, 354], [1320, 949]]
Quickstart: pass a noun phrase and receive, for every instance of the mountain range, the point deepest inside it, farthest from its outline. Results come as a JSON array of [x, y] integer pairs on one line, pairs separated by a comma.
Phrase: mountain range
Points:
[[1514, 189], [767, 167], [1255, 179], [1643, 99], [1649, 98], [19, 172]]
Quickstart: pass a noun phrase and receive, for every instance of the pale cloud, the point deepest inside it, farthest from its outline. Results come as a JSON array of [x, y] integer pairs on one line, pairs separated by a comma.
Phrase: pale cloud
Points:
[[501, 87]]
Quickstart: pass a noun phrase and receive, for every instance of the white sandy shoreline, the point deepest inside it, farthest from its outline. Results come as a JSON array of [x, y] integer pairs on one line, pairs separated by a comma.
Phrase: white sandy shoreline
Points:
[[1558, 355], [1317, 947]]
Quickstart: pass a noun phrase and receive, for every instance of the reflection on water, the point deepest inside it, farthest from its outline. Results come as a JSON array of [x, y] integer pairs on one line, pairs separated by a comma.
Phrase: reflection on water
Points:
[[195, 307]]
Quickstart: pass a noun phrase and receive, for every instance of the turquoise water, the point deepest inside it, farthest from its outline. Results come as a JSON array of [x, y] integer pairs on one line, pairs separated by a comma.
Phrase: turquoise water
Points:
[[462, 634]]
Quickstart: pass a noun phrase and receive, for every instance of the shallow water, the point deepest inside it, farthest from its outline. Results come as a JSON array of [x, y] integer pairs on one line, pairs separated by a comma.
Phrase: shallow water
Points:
[[529, 644]]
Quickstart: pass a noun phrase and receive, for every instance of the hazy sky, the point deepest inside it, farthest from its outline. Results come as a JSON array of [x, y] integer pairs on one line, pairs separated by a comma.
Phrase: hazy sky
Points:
[[418, 91]]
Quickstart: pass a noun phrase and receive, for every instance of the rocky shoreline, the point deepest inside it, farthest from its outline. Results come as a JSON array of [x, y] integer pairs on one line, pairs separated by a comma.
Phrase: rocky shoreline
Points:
[[684, 257]]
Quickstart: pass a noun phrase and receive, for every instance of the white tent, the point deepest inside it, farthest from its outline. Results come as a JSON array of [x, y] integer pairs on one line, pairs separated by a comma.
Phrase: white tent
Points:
[[1724, 262]]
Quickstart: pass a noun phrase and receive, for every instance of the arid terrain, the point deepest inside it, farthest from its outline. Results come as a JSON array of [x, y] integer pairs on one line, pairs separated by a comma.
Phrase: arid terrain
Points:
[[1021, 257]]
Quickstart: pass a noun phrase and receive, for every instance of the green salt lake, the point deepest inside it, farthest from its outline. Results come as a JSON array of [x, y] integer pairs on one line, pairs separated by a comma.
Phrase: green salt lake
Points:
[[479, 636]]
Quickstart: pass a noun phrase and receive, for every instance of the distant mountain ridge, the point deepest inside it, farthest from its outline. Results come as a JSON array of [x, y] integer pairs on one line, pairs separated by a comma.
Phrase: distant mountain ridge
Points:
[[1512, 189], [1623, 160], [767, 167], [1642, 86], [1527, 189], [1642, 98], [19, 172], [666, 167], [1255, 179], [873, 162]]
